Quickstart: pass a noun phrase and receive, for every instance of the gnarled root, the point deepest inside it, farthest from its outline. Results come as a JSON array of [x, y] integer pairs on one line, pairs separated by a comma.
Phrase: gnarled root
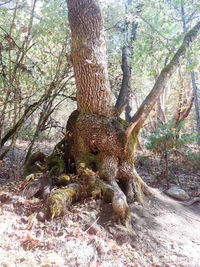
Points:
[[108, 170], [120, 205], [91, 184], [62, 198]]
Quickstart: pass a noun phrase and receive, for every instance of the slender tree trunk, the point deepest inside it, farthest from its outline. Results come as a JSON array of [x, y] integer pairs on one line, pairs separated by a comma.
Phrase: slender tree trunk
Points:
[[194, 86], [185, 102], [125, 87], [129, 37], [161, 118]]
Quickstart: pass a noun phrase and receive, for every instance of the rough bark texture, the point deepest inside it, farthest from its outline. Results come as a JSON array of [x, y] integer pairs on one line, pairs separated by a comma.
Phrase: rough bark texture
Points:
[[89, 57]]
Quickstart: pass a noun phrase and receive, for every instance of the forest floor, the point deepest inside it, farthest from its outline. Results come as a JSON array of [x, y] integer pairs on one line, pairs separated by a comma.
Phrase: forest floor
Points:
[[163, 233]]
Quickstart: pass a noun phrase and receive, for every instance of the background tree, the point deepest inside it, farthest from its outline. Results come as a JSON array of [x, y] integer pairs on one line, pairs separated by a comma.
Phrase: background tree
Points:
[[34, 75], [194, 86]]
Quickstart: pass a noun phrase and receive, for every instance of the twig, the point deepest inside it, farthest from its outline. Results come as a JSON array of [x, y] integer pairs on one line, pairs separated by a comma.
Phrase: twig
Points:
[[92, 225]]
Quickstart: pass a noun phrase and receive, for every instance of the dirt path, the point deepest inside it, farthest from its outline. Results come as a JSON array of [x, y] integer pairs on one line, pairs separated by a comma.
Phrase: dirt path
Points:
[[165, 233], [171, 232]]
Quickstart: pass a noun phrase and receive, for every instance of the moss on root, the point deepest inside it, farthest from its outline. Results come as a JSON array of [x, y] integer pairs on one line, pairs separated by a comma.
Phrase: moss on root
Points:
[[62, 198], [56, 165], [104, 166]]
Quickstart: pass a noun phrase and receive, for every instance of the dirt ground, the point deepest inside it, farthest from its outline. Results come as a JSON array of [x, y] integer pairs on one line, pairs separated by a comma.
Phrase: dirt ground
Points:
[[162, 233]]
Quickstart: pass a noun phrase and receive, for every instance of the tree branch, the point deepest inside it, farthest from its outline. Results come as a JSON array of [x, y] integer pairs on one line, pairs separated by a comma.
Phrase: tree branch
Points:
[[2, 4], [147, 105]]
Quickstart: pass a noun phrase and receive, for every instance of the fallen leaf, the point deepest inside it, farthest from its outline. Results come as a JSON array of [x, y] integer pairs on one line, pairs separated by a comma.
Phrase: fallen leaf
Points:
[[43, 167]]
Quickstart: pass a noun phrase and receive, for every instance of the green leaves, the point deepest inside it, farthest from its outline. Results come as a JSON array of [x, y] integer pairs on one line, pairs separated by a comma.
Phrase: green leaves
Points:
[[167, 138]]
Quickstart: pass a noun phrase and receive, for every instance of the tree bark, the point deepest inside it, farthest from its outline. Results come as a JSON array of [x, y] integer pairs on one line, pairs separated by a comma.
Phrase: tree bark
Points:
[[89, 57]]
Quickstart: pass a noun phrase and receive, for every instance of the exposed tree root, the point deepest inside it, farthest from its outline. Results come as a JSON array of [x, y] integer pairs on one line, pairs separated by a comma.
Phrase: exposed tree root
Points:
[[62, 198], [103, 167]]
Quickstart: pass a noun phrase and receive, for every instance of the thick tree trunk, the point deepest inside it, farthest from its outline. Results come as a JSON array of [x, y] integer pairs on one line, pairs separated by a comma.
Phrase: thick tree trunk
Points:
[[89, 57], [96, 142], [95, 136]]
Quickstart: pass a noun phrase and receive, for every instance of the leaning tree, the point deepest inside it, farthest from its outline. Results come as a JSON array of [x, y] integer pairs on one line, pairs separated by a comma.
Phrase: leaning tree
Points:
[[98, 143]]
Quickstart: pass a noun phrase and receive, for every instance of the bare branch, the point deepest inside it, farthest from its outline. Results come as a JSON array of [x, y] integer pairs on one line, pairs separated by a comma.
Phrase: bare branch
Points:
[[2, 4], [190, 17]]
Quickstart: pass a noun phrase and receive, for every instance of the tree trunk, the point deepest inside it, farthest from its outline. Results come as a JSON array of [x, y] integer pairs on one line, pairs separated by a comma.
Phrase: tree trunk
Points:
[[89, 57], [194, 86], [125, 87], [129, 37], [95, 135], [96, 138]]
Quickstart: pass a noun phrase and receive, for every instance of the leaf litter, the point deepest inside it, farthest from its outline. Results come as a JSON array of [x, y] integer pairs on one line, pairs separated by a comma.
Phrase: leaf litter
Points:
[[164, 232]]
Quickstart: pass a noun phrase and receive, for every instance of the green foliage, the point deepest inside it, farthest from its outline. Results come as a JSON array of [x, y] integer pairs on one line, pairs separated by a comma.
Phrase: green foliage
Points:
[[165, 138], [193, 158], [26, 133]]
